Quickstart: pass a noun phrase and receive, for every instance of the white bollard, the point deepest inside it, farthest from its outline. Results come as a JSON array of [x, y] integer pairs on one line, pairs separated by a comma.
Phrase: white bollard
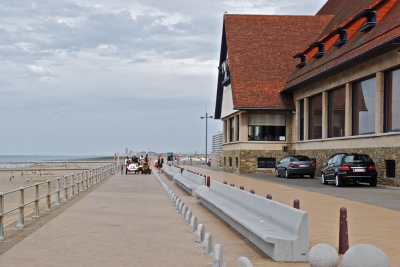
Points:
[[207, 247], [184, 210], [218, 261], [200, 234], [180, 207], [188, 217], [193, 224], [244, 262]]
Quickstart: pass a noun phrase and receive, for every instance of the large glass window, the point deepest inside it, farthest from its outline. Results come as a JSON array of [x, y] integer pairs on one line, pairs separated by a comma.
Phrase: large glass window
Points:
[[392, 100], [267, 127], [336, 112], [266, 163], [301, 106], [364, 95], [232, 128], [315, 117]]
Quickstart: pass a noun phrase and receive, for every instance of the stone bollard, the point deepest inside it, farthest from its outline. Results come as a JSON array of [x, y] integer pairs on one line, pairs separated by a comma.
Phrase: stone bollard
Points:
[[242, 187], [269, 196], [343, 232], [188, 217], [200, 234], [365, 255], [180, 207], [208, 181], [323, 255], [184, 210], [296, 204], [244, 262], [252, 191], [193, 224], [207, 248], [218, 260]]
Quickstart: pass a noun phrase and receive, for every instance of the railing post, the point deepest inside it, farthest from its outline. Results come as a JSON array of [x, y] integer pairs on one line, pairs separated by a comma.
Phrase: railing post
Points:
[[65, 188], [1, 216], [72, 187], [57, 203], [82, 181], [77, 183], [48, 197], [36, 214], [87, 179], [20, 223]]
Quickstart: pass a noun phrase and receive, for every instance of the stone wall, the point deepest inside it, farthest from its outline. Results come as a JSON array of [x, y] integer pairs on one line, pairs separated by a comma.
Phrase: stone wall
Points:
[[216, 159]]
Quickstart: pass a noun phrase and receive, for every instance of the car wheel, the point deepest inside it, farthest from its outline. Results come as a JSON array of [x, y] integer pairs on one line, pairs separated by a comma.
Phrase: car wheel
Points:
[[287, 175], [277, 173], [373, 182], [323, 179], [338, 182]]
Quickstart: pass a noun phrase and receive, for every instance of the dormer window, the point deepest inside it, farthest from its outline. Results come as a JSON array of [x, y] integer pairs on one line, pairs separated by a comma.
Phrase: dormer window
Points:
[[370, 20], [321, 49], [342, 39], [302, 60]]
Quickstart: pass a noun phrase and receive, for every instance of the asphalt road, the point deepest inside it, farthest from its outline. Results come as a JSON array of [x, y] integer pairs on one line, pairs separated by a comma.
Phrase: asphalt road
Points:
[[381, 196]]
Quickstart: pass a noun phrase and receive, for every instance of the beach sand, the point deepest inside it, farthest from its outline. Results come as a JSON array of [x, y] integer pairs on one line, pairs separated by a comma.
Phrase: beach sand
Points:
[[13, 179]]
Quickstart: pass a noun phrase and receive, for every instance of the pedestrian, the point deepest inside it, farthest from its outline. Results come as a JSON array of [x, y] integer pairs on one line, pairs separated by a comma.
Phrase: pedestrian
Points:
[[160, 162]]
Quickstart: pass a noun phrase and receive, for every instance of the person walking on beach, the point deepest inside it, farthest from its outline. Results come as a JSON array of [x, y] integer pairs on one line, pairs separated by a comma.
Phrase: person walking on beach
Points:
[[160, 162]]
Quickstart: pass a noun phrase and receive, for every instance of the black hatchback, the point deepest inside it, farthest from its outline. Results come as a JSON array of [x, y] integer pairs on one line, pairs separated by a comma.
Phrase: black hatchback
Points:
[[295, 165], [353, 168]]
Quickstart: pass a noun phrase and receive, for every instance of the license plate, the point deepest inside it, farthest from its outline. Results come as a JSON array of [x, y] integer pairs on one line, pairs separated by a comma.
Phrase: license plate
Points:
[[303, 165], [358, 170]]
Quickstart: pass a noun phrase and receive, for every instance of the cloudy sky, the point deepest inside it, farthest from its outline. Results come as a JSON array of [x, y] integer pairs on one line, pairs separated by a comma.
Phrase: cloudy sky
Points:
[[92, 77]]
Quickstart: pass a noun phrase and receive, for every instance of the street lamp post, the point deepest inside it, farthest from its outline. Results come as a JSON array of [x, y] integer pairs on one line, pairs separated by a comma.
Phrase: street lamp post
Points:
[[206, 117]]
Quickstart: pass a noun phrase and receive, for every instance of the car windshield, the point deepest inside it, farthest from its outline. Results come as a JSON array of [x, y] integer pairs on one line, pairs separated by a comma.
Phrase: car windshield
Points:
[[357, 159], [300, 158]]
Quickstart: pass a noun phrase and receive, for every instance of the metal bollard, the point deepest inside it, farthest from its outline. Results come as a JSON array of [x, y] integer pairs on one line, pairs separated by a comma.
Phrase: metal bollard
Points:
[[343, 232], [225, 182], [252, 191], [296, 204], [233, 185], [208, 181], [242, 187], [269, 196]]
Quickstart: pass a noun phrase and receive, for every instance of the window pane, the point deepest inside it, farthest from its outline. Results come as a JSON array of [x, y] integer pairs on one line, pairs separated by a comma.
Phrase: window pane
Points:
[[337, 104], [267, 127], [301, 119], [315, 117], [232, 128], [392, 101], [364, 95]]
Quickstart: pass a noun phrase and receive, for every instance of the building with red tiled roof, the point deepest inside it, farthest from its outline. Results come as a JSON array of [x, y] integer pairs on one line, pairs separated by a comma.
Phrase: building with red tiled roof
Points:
[[313, 85]]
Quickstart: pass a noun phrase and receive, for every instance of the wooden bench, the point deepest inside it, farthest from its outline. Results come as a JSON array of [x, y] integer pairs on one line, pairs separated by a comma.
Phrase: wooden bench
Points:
[[189, 181], [280, 231]]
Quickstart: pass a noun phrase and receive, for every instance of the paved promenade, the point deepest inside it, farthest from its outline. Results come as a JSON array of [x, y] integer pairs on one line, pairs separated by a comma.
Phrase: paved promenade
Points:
[[130, 221]]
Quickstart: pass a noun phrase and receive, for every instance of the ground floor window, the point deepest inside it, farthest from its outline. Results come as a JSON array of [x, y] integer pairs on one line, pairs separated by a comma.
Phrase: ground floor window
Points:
[[266, 163], [237, 162], [230, 161], [392, 99], [390, 168], [267, 127], [315, 117]]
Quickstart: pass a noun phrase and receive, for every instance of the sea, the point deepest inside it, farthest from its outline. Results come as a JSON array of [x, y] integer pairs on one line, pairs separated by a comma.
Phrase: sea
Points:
[[21, 161]]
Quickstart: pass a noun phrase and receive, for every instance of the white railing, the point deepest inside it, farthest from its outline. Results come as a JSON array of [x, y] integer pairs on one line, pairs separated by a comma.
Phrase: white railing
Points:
[[74, 183]]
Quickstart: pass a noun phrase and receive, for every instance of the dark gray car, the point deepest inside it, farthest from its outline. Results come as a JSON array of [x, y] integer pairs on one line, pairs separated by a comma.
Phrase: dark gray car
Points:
[[295, 165]]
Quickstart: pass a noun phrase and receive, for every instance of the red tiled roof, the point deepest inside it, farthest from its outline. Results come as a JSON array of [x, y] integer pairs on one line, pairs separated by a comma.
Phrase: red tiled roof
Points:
[[359, 43], [259, 51]]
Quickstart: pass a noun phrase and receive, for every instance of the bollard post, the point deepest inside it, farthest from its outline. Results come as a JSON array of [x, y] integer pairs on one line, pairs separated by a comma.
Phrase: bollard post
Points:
[[1, 216], [269, 196], [233, 185], [296, 204], [225, 182], [252, 191], [57, 203], [48, 197], [77, 183], [36, 208], [20, 223], [208, 181], [343, 232], [242, 187]]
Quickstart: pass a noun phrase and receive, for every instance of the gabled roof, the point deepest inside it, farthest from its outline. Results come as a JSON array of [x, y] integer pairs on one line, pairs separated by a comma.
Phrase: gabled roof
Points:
[[259, 49], [360, 46]]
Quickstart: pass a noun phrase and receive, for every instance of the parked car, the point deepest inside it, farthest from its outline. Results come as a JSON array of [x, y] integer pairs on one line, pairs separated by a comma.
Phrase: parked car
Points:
[[295, 165], [353, 168]]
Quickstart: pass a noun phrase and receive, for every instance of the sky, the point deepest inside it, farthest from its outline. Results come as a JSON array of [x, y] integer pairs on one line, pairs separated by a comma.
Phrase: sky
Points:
[[93, 77]]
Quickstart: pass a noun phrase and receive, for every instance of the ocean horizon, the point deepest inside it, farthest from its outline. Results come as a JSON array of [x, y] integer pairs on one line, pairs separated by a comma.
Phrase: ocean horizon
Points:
[[20, 159]]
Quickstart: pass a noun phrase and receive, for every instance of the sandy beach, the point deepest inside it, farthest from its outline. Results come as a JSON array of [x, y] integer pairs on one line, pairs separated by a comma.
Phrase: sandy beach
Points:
[[13, 178]]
